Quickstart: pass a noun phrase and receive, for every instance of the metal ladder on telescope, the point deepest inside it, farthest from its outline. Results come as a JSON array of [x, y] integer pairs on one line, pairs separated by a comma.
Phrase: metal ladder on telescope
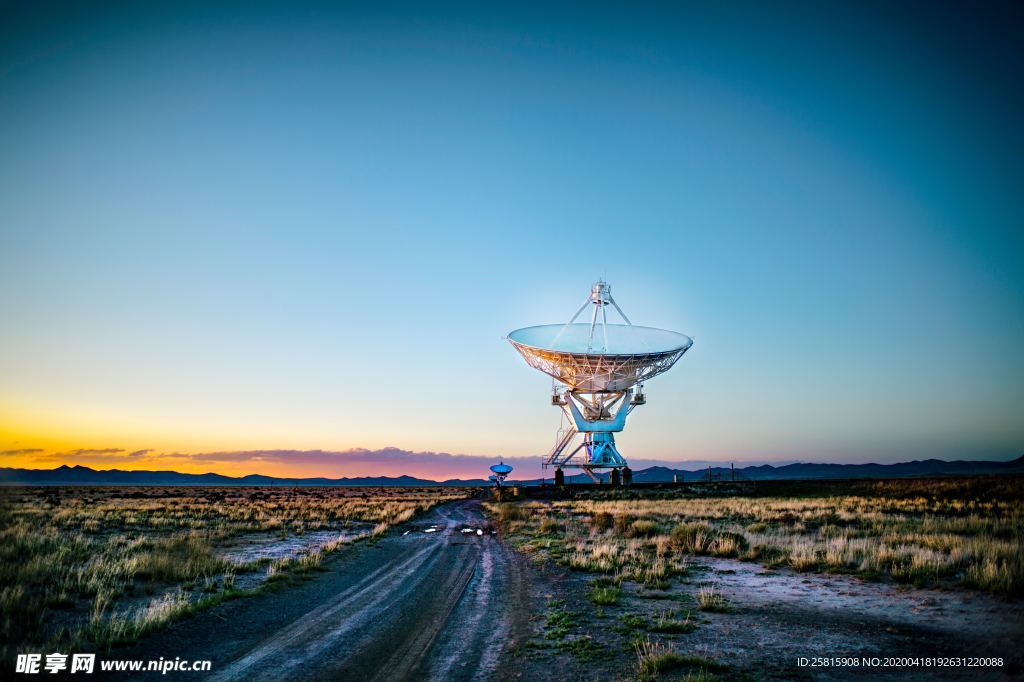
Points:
[[562, 441]]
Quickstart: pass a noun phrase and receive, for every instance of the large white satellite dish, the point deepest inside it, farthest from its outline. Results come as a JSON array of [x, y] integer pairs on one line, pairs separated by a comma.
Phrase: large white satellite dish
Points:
[[599, 365], [625, 355]]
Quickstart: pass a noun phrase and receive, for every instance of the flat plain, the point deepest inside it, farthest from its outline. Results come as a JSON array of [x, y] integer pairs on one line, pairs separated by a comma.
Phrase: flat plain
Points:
[[698, 585], [439, 583], [92, 568]]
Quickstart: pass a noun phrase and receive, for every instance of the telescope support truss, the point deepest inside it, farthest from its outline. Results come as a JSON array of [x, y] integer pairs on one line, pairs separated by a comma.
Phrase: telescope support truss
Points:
[[592, 415]]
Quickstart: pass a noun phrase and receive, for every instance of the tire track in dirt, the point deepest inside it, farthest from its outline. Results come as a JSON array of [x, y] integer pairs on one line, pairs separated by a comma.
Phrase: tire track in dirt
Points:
[[307, 637], [407, 660], [433, 606]]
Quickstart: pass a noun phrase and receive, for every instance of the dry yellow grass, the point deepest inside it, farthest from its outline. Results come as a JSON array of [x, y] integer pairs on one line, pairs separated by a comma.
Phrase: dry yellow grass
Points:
[[965, 532], [69, 555]]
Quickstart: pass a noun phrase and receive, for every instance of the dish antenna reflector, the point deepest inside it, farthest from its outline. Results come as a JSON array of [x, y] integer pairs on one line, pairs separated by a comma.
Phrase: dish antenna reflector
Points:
[[599, 369], [501, 471]]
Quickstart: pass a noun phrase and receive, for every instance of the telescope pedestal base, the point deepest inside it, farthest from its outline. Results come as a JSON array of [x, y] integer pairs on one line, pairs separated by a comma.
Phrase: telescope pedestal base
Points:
[[601, 450]]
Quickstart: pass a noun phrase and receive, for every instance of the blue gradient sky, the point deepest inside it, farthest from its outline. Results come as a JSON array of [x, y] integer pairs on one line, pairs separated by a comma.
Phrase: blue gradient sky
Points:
[[263, 228]]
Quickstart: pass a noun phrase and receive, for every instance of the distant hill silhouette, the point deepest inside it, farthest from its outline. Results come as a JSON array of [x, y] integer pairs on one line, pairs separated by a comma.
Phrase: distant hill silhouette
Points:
[[767, 472], [81, 475]]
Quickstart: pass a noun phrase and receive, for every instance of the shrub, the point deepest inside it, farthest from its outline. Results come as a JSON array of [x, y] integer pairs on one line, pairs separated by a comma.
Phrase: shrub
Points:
[[996, 576], [694, 538], [769, 555], [602, 521], [624, 524], [804, 560], [549, 525], [642, 528], [180, 557], [728, 544], [508, 511]]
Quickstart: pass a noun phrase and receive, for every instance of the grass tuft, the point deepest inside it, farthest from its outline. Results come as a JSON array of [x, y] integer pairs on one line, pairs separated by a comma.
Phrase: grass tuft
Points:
[[605, 596], [668, 622], [655, 658], [710, 599]]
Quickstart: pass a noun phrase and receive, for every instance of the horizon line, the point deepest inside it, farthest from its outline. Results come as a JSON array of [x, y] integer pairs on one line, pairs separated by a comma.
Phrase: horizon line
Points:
[[343, 478]]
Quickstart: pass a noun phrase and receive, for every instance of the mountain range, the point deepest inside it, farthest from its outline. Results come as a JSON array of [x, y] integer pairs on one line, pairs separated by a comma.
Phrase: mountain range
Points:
[[81, 475]]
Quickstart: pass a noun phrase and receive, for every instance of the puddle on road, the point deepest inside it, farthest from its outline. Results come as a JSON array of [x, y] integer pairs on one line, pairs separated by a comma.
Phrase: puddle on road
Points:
[[244, 549], [436, 528]]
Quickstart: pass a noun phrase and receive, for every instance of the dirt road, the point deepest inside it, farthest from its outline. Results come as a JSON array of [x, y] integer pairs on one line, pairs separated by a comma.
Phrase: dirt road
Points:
[[434, 605]]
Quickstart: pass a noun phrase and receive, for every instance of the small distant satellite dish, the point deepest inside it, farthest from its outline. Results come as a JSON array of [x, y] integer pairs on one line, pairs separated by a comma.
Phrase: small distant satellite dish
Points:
[[501, 471]]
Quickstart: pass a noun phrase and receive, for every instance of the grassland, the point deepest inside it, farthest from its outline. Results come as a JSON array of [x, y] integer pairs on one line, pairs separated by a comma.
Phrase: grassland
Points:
[[966, 533], [95, 567], [958, 534]]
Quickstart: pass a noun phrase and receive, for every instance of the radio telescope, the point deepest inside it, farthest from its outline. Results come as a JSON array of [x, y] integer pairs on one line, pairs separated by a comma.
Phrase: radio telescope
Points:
[[500, 473], [599, 370]]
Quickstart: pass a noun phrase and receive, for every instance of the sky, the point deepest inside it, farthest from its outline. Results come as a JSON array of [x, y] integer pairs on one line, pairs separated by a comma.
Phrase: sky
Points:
[[304, 229]]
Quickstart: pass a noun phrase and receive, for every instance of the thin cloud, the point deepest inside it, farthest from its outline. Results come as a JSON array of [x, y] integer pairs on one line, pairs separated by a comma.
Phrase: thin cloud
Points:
[[82, 452], [389, 461], [98, 455], [22, 451], [329, 456], [362, 462]]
